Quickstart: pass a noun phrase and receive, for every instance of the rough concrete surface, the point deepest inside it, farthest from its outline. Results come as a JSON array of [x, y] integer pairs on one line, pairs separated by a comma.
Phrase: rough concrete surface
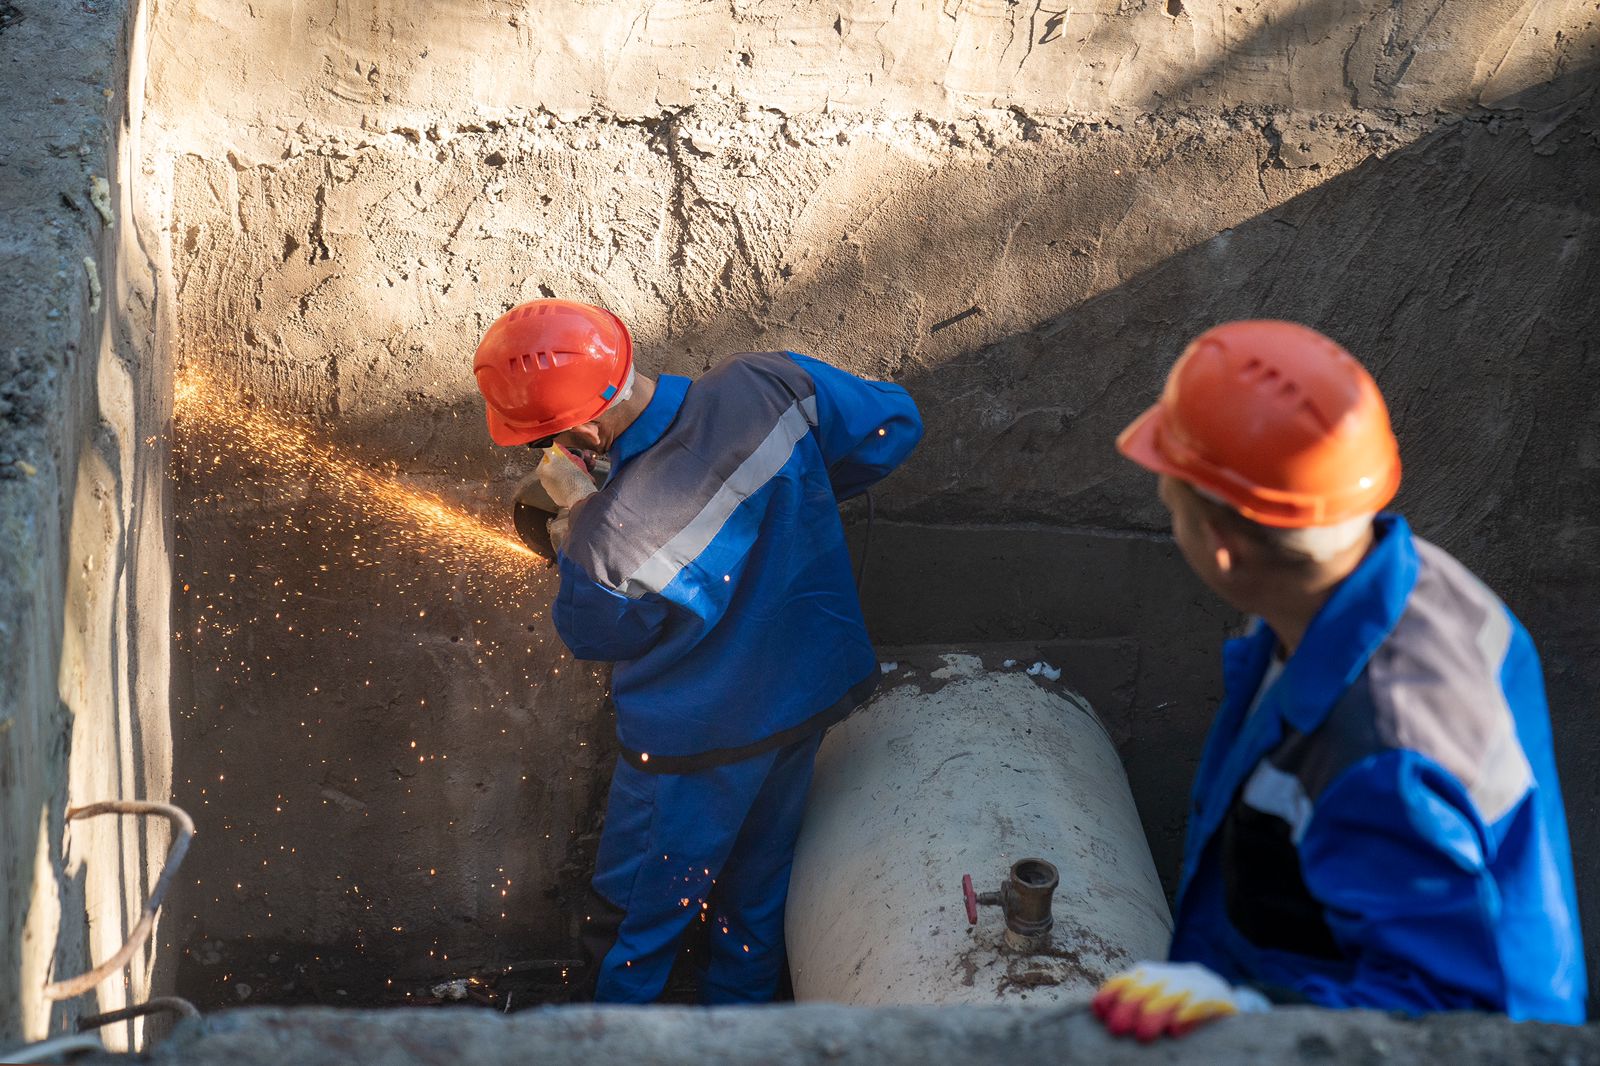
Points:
[[279, 62], [83, 527], [885, 1036], [1018, 211]]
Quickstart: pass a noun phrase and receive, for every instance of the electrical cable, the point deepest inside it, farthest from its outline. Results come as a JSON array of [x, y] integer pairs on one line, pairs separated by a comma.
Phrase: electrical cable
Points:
[[182, 833], [866, 545]]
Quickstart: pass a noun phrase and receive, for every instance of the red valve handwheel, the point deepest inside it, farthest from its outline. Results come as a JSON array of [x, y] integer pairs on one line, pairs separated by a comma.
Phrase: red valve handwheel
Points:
[[970, 896]]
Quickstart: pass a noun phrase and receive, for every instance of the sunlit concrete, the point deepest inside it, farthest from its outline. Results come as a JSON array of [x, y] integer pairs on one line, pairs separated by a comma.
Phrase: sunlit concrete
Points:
[[84, 527]]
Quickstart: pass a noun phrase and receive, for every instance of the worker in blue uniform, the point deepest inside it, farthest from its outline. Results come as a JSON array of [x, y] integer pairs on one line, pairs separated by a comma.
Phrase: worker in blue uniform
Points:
[[712, 569], [1376, 819]]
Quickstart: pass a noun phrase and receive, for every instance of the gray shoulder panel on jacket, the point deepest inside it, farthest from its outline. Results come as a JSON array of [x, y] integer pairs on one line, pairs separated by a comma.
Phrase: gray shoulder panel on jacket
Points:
[[1436, 683], [1433, 687], [737, 427]]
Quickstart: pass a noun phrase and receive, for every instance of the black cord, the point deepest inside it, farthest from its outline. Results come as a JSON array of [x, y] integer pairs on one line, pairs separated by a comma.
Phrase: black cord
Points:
[[866, 547]]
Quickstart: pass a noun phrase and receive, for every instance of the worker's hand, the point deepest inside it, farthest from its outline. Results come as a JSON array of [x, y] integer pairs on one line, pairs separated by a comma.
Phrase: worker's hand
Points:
[[564, 477], [558, 528], [1171, 998]]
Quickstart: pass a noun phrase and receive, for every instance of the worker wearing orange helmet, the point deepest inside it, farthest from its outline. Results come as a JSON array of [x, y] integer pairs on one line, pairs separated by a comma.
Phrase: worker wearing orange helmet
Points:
[[711, 568], [1376, 818]]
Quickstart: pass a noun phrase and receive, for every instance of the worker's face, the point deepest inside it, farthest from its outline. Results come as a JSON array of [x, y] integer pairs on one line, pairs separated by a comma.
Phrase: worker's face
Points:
[[1202, 544]]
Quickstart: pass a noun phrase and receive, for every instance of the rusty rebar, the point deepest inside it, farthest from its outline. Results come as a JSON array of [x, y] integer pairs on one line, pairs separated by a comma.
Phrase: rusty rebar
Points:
[[183, 831], [181, 1007]]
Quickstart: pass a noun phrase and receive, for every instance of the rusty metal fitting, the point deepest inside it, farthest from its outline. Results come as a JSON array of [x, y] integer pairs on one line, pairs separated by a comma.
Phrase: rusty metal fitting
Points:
[[1024, 899]]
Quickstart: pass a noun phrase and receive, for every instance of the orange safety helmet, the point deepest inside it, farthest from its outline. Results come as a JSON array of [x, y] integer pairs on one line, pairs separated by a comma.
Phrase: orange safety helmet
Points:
[[548, 365], [1275, 420]]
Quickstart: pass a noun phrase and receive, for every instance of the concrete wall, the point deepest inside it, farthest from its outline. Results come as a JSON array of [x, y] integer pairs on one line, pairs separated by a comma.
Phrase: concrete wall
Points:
[[828, 1035], [84, 528], [1020, 214]]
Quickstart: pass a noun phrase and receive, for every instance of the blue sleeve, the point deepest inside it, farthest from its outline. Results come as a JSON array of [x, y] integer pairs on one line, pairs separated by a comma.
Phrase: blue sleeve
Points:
[[1398, 856], [601, 624], [865, 428]]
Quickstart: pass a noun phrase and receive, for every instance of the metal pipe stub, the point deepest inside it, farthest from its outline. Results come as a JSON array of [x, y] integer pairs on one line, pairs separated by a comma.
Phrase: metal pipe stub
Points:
[[1025, 900]]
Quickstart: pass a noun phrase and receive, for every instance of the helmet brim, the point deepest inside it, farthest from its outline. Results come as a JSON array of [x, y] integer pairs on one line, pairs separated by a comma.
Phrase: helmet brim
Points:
[[504, 433], [1139, 442]]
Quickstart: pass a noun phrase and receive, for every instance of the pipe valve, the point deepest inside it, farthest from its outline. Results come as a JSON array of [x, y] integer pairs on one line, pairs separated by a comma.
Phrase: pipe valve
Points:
[[1024, 899]]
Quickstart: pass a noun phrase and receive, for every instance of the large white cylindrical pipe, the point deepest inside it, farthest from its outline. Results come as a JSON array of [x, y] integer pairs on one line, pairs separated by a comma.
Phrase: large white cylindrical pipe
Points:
[[967, 771]]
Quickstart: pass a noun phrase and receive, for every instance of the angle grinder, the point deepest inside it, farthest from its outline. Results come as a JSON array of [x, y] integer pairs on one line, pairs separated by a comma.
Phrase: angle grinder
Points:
[[532, 508]]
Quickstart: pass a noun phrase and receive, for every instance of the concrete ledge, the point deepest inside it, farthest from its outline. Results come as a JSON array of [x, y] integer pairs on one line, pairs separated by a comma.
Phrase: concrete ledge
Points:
[[838, 1036]]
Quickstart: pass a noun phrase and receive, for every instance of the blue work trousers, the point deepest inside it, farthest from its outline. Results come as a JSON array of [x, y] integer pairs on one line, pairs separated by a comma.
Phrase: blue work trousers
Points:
[[716, 843]]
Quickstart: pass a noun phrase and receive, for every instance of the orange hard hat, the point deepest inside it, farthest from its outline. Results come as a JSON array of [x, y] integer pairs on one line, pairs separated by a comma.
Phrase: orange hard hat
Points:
[[1277, 421], [548, 365]]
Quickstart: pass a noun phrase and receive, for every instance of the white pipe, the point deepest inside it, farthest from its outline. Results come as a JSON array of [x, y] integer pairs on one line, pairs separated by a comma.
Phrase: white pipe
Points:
[[967, 771]]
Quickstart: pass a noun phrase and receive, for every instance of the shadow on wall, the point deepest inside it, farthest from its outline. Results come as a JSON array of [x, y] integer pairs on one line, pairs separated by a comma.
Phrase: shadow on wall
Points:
[[1461, 270], [1411, 58]]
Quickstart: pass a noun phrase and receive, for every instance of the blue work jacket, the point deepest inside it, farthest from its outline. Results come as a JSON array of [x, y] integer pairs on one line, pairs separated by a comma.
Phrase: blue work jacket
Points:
[[712, 567], [1386, 828]]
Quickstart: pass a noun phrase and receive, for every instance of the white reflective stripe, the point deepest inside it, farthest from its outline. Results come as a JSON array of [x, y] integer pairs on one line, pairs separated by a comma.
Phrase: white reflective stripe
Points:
[[1281, 795], [658, 571], [808, 407], [1504, 776], [1494, 640]]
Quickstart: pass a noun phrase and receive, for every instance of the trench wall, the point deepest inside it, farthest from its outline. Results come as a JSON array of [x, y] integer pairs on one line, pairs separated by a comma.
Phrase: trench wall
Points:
[[1019, 213], [84, 527]]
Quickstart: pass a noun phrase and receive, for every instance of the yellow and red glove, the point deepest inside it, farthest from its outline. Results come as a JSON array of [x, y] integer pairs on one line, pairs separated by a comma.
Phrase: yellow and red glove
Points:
[[1170, 998], [567, 481], [564, 477]]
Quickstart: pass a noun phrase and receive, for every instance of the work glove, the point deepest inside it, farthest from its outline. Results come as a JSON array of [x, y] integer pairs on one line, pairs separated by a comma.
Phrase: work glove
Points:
[[1171, 998], [564, 477], [558, 528]]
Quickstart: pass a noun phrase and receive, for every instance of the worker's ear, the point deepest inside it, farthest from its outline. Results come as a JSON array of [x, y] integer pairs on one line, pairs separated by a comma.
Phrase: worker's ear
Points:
[[588, 434], [1220, 548]]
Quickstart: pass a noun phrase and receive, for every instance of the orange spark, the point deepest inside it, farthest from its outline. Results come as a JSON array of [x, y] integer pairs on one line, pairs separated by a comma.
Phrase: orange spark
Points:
[[217, 421]]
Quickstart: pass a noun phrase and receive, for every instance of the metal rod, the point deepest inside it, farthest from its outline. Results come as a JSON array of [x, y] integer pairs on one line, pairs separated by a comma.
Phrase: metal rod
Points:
[[183, 832], [181, 1007]]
